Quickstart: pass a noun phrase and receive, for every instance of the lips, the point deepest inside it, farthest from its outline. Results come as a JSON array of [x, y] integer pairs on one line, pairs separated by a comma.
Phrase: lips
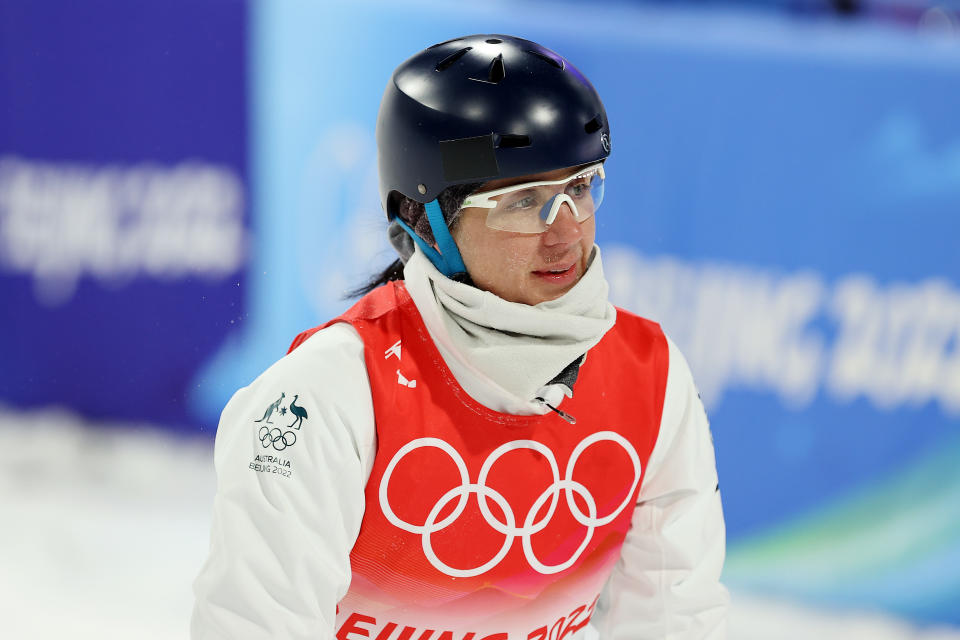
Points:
[[558, 269], [559, 274]]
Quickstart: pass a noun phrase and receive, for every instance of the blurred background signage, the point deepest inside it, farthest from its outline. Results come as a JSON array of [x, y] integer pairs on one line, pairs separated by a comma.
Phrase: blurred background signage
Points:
[[180, 200]]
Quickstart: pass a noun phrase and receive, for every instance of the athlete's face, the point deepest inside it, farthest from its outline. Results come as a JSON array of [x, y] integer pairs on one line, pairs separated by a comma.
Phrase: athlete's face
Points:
[[525, 267]]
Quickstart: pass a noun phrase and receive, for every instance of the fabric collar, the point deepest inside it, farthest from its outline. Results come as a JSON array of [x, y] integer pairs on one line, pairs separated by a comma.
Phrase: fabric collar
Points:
[[518, 347]]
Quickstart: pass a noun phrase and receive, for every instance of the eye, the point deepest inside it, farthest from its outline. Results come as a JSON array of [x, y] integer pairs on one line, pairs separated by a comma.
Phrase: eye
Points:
[[578, 189], [522, 203]]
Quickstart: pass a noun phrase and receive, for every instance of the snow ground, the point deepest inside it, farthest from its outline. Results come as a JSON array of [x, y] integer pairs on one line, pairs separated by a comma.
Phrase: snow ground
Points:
[[105, 527]]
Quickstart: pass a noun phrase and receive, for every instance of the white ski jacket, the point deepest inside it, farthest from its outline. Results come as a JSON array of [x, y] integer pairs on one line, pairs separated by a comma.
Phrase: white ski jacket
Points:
[[289, 503]]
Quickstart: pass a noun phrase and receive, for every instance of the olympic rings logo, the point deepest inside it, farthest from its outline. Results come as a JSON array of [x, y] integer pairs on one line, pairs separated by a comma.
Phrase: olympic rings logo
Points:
[[509, 529], [279, 439]]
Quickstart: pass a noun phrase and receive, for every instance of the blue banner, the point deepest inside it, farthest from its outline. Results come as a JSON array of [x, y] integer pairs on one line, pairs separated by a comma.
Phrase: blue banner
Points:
[[123, 206]]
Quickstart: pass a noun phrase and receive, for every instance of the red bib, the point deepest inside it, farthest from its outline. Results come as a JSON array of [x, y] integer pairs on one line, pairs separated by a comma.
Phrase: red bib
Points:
[[481, 524]]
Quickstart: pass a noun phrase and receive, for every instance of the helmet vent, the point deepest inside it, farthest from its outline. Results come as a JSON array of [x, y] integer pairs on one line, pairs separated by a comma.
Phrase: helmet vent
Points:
[[450, 59], [594, 125], [548, 59], [497, 72], [511, 141], [440, 44]]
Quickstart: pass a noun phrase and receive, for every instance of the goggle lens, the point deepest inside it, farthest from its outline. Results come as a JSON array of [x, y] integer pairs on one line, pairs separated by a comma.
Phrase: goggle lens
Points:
[[532, 207]]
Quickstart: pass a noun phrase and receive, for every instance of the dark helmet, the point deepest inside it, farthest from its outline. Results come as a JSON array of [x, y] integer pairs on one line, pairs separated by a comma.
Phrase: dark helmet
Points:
[[484, 107]]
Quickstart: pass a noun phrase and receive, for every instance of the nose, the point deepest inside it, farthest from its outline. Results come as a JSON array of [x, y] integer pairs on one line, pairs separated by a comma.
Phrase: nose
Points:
[[564, 230]]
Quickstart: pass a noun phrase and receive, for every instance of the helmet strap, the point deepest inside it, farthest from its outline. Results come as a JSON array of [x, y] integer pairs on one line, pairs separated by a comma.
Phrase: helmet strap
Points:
[[447, 260], [441, 233]]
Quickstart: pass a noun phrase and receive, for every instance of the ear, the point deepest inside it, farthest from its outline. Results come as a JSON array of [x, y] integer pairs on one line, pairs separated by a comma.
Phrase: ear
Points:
[[400, 240]]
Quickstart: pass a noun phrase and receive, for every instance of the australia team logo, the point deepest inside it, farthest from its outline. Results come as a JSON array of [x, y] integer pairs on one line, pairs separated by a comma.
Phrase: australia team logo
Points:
[[281, 435], [510, 524]]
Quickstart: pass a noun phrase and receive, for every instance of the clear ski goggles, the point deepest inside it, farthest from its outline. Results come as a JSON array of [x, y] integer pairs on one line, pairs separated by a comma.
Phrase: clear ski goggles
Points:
[[531, 207]]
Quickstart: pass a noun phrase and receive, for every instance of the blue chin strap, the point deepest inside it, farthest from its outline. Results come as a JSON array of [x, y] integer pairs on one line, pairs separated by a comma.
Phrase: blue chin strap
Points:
[[448, 260]]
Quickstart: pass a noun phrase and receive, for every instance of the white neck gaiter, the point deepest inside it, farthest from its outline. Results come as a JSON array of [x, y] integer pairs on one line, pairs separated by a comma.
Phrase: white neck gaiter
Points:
[[518, 347]]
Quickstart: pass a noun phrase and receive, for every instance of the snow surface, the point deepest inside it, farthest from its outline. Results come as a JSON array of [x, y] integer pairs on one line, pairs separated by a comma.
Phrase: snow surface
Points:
[[106, 525]]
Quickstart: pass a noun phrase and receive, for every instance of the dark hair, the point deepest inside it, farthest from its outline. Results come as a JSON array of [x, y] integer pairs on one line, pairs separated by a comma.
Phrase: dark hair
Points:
[[415, 215]]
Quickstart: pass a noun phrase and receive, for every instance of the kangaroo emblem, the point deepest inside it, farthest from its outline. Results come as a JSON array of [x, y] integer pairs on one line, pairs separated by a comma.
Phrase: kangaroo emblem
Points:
[[271, 409]]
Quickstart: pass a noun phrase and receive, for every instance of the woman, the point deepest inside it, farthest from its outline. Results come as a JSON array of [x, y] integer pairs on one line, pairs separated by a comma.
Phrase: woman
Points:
[[483, 447]]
